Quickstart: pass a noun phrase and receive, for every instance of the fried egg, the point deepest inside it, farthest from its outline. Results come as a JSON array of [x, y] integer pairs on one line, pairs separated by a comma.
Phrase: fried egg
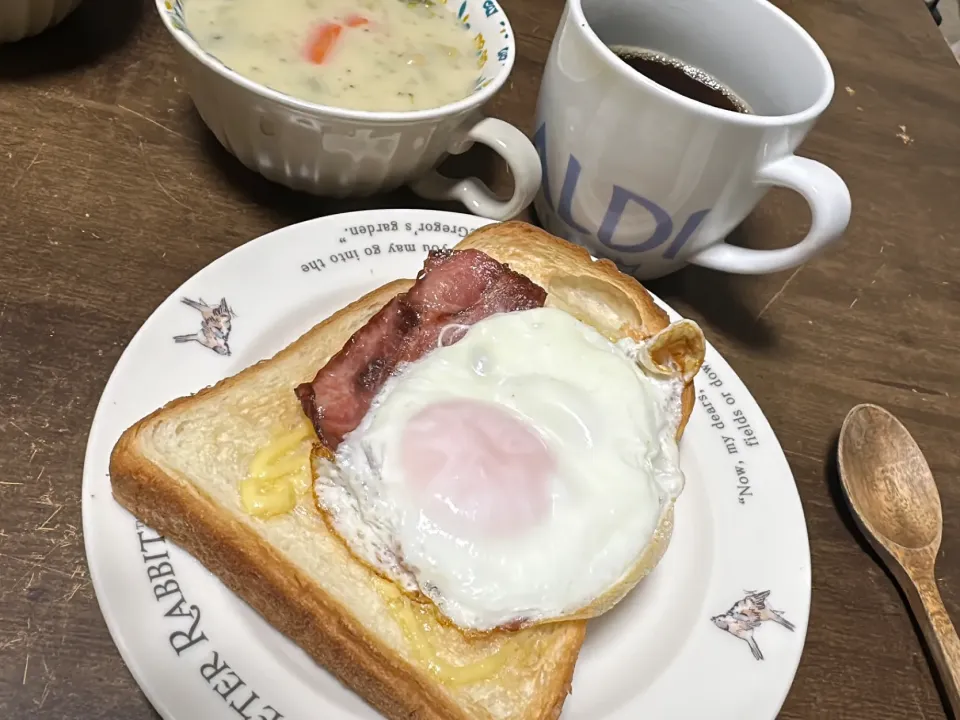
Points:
[[512, 477]]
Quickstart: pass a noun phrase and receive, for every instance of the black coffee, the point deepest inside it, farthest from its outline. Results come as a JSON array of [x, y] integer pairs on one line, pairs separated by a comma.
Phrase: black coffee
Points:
[[681, 77]]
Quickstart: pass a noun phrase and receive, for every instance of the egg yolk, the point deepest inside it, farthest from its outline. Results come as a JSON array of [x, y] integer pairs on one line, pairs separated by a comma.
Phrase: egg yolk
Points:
[[478, 469]]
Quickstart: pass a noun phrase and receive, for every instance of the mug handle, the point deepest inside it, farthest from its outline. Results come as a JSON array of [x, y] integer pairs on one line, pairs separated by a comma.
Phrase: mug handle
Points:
[[520, 156], [829, 201]]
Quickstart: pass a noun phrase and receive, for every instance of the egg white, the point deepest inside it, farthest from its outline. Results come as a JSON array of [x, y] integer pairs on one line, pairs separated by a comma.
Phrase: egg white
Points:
[[609, 424]]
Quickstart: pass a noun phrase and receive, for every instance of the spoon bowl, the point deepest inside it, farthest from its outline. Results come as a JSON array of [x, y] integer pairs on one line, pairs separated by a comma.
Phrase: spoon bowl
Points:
[[888, 481], [894, 500]]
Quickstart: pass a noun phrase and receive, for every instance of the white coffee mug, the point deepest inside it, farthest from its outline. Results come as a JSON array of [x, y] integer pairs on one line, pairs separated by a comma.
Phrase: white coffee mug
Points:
[[652, 179]]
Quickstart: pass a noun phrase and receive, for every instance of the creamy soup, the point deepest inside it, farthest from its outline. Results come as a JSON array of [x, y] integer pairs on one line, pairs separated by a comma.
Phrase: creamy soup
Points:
[[376, 55]]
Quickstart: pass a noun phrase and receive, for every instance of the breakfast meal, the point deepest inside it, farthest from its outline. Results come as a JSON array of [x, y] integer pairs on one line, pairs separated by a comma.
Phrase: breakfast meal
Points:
[[433, 489], [377, 55]]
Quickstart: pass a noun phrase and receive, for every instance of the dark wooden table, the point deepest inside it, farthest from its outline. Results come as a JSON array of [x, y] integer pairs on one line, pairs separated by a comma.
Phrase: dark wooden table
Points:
[[112, 193]]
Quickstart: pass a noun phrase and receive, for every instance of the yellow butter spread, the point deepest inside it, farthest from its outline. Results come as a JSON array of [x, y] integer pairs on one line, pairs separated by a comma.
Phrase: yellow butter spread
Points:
[[417, 624], [279, 473]]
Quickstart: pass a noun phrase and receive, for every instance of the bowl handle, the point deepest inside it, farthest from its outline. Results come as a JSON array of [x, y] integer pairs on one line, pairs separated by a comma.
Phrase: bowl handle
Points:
[[519, 154]]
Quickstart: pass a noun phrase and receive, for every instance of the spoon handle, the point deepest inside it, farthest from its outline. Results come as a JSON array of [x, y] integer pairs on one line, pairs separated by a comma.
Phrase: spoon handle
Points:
[[940, 634]]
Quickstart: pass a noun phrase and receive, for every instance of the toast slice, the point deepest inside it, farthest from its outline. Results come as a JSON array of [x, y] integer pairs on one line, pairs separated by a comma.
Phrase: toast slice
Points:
[[179, 468]]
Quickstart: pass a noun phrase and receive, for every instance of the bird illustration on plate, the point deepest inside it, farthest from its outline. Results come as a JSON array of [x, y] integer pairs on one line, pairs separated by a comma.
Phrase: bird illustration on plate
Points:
[[215, 325], [747, 615]]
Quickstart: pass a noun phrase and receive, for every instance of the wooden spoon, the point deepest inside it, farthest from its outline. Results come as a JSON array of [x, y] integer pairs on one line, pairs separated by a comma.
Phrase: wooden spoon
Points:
[[895, 502]]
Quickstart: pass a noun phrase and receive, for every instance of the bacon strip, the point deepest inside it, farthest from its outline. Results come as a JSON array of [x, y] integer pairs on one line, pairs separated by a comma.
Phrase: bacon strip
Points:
[[455, 287]]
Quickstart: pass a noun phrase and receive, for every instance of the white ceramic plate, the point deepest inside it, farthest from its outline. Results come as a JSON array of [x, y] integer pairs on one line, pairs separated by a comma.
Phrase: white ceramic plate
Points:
[[716, 631]]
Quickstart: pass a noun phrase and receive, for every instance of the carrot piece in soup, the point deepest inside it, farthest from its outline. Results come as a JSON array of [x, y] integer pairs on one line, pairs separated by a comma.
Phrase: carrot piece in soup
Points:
[[356, 21], [323, 41]]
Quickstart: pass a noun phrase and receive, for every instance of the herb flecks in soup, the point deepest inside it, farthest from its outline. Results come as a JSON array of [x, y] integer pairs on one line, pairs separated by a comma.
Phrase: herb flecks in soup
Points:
[[379, 55]]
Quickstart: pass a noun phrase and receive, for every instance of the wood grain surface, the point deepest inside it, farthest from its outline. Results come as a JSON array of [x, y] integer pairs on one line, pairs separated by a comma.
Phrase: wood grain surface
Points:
[[112, 194]]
